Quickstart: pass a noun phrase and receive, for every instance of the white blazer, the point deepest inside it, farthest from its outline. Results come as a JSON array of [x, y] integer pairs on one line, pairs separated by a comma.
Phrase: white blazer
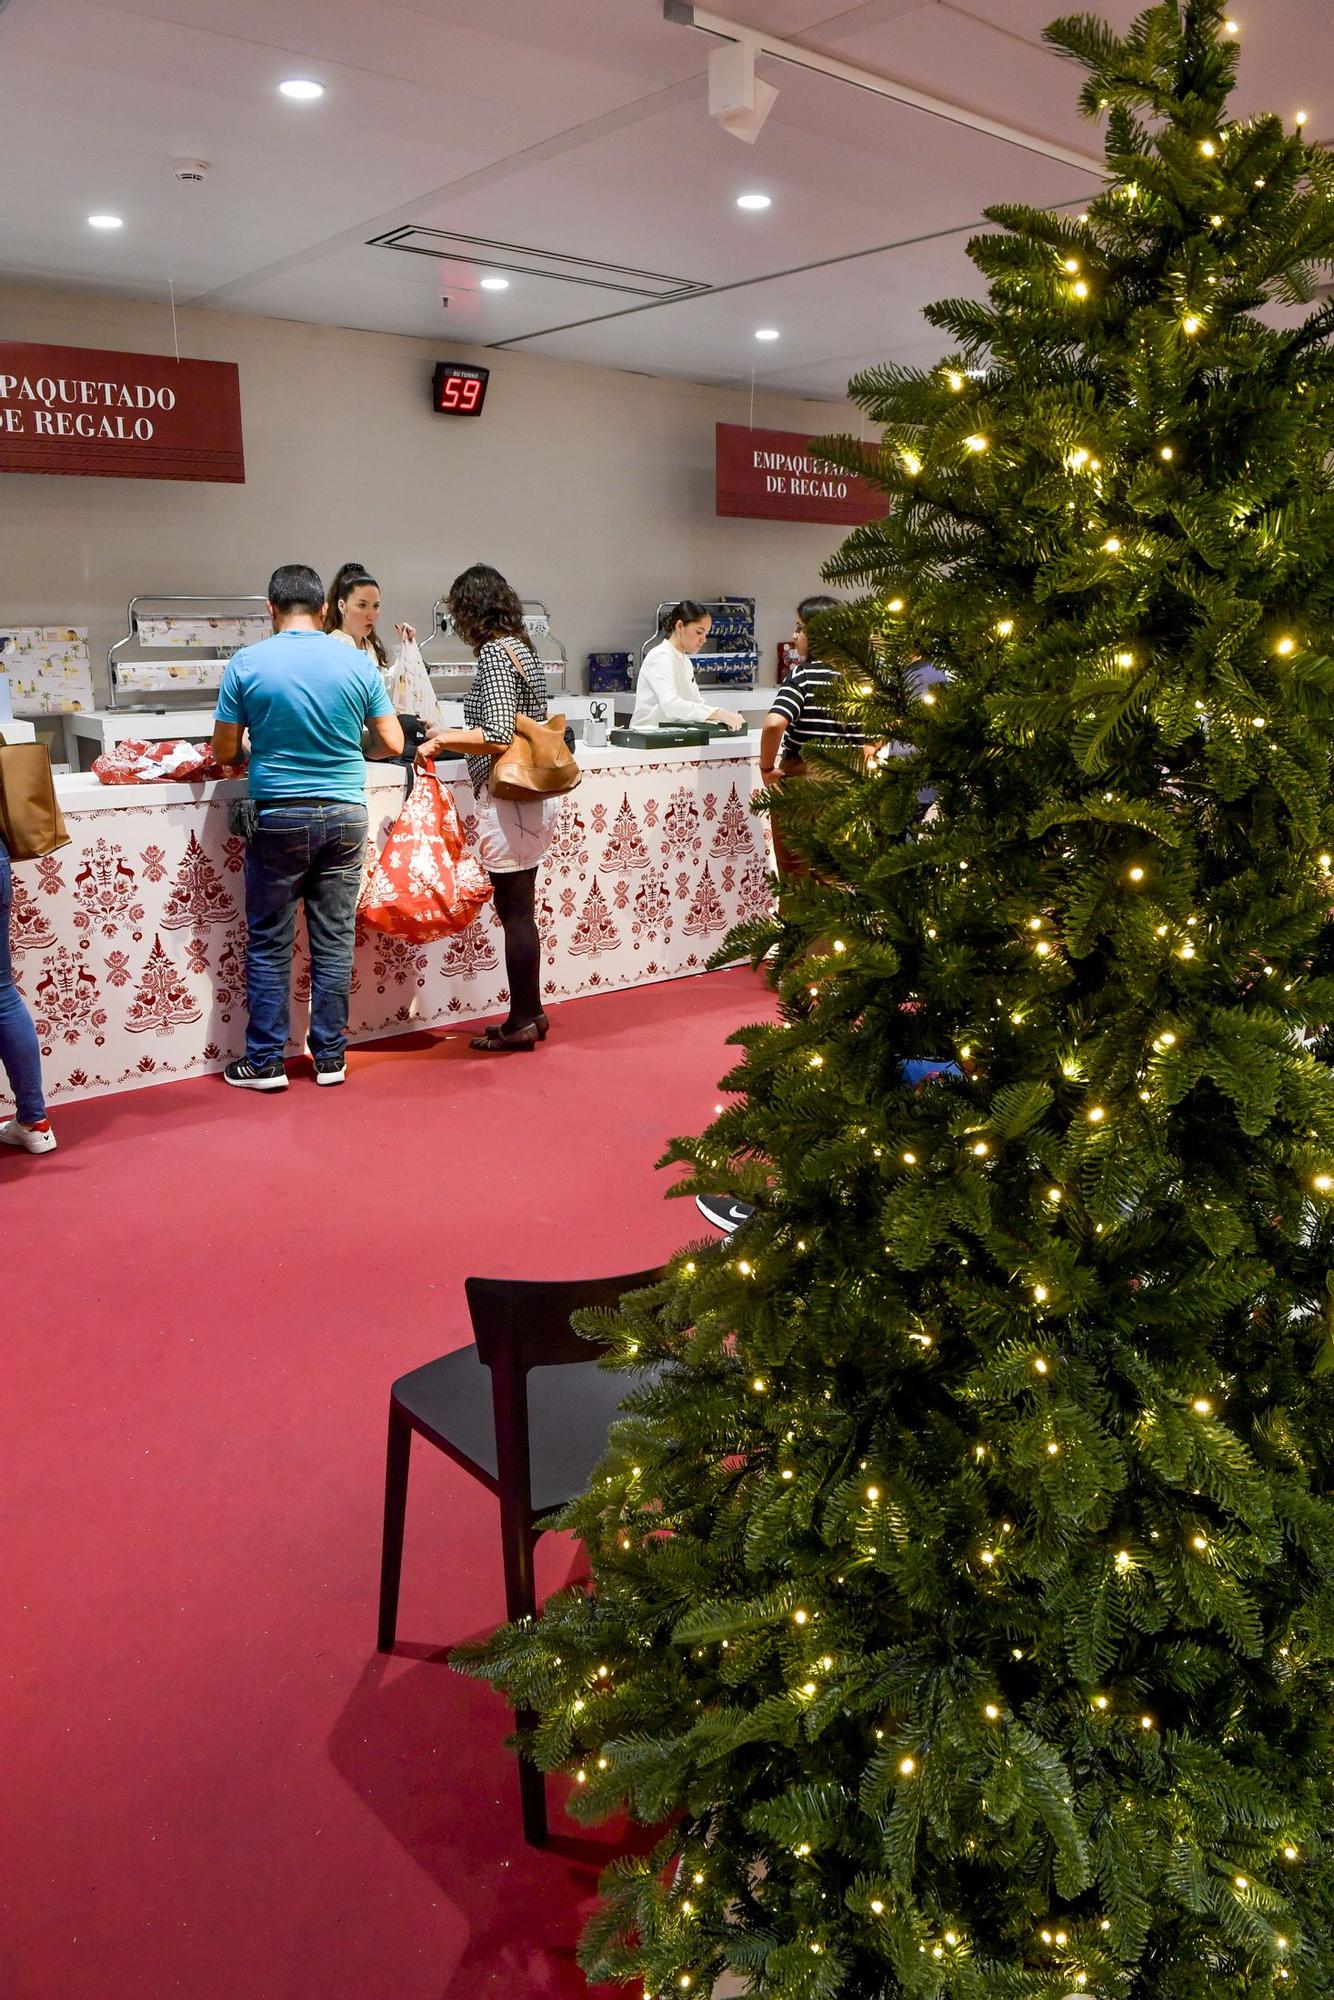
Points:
[[667, 690]]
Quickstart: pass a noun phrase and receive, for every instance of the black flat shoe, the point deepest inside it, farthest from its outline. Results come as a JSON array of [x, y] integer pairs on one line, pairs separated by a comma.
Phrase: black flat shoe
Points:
[[494, 1041]]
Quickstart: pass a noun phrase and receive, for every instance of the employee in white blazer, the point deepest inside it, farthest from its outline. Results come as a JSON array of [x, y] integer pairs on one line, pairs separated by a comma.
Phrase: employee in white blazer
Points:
[[667, 691]]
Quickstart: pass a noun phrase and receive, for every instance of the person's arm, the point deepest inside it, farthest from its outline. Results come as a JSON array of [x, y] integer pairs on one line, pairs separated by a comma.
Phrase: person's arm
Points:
[[771, 742], [382, 725], [386, 733], [228, 718], [459, 743], [226, 744], [496, 674], [789, 701]]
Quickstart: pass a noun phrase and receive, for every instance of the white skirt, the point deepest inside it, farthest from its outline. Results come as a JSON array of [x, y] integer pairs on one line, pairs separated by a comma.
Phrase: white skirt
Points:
[[513, 834]]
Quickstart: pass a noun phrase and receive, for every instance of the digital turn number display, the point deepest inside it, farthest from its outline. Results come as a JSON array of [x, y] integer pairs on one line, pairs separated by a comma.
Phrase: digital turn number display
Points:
[[457, 390]]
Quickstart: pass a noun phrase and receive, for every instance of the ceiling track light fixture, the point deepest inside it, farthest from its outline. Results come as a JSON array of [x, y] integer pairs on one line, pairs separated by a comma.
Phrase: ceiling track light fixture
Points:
[[738, 99], [741, 101]]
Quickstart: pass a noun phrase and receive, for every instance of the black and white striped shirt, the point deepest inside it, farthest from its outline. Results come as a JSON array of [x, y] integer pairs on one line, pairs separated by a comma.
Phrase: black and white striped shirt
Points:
[[498, 692], [798, 701]]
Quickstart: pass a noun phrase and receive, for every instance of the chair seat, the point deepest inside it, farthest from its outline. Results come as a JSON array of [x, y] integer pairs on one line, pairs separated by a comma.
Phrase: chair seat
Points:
[[570, 1410]]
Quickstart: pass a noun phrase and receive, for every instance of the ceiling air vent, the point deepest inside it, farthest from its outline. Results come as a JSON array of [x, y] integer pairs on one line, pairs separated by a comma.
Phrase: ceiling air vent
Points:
[[418, 241]]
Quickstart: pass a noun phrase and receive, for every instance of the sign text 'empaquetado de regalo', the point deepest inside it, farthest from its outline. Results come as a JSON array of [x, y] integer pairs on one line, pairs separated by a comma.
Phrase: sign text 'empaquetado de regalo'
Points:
[[82, 410], [774, 476]]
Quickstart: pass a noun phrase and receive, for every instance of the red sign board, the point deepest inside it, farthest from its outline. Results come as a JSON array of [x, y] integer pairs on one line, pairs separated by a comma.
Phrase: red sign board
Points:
[[772, 476], [118, 416]]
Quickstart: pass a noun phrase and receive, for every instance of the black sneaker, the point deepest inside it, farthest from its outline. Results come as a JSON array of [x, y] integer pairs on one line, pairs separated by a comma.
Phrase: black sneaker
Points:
[[245, 1075], [330, 1069], [723, 1212]]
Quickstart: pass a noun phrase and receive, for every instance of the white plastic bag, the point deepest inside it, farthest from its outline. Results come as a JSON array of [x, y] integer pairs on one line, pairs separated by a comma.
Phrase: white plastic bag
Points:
[[409, 685]]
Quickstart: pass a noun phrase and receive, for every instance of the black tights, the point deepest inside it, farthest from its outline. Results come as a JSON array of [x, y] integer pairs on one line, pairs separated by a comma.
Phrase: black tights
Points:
[[514, 896]]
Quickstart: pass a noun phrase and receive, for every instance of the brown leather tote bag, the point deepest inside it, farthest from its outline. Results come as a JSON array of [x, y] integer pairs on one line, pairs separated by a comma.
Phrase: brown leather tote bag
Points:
[[536, 763], [31, 823]]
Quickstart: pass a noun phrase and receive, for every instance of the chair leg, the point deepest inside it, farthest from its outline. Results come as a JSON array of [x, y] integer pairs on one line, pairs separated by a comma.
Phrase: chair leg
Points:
[[518, 1547], [397, 1456]]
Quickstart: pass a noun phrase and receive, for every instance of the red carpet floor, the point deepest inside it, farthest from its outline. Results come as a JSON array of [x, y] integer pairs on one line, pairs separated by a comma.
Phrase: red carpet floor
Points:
[[213, 1785]]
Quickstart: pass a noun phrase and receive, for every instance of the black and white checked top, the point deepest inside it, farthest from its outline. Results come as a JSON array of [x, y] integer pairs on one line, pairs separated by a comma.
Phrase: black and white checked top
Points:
[[498, 693], [808, 721]]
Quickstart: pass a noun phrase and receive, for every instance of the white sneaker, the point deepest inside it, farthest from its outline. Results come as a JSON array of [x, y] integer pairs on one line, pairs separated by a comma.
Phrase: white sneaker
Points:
[[37, 1138]]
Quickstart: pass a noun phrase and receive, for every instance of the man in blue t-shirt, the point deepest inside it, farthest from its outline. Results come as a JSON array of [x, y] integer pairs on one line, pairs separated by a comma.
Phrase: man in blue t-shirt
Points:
[[305, 698]]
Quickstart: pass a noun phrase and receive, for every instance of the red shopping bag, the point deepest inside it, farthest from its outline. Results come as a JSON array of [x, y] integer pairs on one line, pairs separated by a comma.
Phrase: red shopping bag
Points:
[[424, 885]]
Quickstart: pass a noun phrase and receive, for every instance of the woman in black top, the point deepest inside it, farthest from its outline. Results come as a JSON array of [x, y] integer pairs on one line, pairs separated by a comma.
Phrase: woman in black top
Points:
[[512, 834]]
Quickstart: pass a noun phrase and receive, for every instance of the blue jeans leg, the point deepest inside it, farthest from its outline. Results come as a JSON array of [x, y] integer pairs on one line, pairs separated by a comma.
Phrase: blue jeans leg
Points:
[[332, 886], [275, 867], [19, 1049]]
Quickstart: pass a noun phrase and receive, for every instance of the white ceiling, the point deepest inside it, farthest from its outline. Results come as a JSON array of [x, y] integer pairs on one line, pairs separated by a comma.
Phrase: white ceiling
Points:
[[578, 127]]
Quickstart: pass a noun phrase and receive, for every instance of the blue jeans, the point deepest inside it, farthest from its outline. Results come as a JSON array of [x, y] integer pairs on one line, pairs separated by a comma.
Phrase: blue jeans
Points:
[[309, 851], [19, 1051]]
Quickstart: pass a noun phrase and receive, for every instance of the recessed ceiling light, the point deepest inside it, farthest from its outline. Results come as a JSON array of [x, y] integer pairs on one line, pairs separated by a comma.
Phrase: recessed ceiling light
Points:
[[754, 201], [766, 333], [303, 88], [105, 222], [495, 284]]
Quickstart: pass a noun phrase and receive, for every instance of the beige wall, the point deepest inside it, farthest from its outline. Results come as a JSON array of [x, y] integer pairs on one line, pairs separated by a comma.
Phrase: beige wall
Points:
[[591, 489]]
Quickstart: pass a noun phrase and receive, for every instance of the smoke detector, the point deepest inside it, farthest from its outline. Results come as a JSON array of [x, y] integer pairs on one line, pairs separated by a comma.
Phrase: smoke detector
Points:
[[189, 170]]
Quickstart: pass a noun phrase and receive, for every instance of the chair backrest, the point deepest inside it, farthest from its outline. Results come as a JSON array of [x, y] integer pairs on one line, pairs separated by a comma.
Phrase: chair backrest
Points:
[[523, 1323]]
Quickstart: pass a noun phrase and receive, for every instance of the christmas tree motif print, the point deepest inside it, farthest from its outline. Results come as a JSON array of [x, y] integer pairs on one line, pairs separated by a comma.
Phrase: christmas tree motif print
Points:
[[229, 985], [680, 827], [104, 890], [28, 926], [164, 1002], [595, 932], [467, 952], [394, 960], [569, 844], [67, 1003], [735, 836], [197, 897], [625, 850], [653, 908], [754, 894], [706, 912], [546, 926]]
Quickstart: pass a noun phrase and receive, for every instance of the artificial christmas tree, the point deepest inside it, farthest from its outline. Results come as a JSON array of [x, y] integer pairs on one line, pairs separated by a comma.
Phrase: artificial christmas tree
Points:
[[962, 1595]]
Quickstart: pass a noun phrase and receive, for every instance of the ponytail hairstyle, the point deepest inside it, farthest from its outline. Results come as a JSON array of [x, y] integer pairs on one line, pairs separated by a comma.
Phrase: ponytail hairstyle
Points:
[[684, 613], [353, 576]]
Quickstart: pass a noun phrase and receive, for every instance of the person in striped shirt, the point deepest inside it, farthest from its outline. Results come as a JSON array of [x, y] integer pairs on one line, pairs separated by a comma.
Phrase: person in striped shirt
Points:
[[797, 718]]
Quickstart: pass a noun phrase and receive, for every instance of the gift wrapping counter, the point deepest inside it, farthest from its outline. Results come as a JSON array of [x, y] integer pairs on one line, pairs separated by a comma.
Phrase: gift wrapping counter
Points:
[[129, 944]]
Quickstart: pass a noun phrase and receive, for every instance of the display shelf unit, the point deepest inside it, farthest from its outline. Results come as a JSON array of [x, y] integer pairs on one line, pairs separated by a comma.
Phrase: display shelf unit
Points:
[[450, 664], [731, 658], [175, 646]]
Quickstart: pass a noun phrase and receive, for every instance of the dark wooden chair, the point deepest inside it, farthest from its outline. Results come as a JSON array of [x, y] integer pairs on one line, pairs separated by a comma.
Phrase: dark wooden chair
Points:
[[525, 1410]]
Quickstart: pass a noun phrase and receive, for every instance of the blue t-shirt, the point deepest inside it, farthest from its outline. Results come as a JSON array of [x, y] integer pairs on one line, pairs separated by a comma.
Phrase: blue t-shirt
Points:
[[305, 697]]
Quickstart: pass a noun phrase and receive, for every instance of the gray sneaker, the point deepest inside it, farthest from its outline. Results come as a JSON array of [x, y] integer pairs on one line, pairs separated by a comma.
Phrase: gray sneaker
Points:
[[330, 1069]]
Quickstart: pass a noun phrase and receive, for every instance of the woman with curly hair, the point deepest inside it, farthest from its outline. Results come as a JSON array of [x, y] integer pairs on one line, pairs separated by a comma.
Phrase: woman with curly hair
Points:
[[512, 834]]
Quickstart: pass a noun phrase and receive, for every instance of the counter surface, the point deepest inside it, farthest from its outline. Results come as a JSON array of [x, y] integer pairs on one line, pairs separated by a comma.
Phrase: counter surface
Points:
[[129, 944], [89, 732]]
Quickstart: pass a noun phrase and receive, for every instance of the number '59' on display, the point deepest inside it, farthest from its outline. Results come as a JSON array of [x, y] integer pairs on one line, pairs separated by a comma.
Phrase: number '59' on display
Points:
[[458, 390]]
